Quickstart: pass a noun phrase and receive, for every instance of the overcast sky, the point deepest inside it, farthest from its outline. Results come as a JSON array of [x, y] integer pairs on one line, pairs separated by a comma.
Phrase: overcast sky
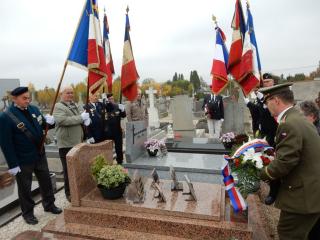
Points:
[[167, 36]]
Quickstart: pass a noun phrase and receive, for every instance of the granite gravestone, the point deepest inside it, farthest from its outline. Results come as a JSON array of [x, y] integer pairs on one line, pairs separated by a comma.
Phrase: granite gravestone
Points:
[[233, 115], [136, 191], [152, 111], [136, 135], [182, 113], [175, 184]]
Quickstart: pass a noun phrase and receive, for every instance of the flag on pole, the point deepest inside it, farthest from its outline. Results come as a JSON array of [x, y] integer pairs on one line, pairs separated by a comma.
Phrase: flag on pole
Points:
[[250, 67], [129, 74], [107, 52], [219, 66], [86, 50], [239, 29]]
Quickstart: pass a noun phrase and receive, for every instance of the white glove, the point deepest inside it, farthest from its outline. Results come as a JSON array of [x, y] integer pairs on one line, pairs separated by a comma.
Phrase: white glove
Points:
[[246, 100], [85, 116], [121, 107], [14, 171], [104, 96], [49, 119], [221, 120], [87, 122], [259, 95], [90, 140]]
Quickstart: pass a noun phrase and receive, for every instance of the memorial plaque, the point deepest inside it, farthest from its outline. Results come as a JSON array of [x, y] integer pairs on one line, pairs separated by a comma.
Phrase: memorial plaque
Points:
[[175, 185], [191, 193], [155, 177], [135, 191], [159, 193]]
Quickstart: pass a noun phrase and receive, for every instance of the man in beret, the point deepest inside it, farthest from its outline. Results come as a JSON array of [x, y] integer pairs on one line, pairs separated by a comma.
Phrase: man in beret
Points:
[[114, 114], [296, 165], [21, 141]]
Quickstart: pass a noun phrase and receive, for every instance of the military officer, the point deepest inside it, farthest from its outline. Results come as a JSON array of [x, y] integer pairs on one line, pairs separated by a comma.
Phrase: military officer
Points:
[[113, 130], [96, 110], [296, 165], [21, 136]]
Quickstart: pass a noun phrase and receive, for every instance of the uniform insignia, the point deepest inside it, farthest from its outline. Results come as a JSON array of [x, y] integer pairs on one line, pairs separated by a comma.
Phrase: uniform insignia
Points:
[[282, 136], [20, 125], [33, 115]]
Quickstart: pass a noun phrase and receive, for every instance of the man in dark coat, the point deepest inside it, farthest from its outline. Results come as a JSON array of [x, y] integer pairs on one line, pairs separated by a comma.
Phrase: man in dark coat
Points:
[[114, 114], [21, 139], [296, 165]]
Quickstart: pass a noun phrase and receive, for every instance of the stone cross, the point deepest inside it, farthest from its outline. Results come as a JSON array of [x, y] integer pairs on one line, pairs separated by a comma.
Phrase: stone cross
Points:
[[152, 111]]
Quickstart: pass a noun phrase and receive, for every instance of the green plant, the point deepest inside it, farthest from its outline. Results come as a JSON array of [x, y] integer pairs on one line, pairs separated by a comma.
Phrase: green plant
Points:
[[109, 176]]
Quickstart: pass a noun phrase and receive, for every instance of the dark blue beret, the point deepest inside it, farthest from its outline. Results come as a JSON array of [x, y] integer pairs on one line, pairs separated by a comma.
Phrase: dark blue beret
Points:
[[267, 76], [19, 90]]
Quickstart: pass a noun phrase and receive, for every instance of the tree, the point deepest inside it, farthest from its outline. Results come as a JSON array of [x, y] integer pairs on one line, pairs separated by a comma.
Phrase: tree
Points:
[[116, 89], [195, 80], [175, 77]]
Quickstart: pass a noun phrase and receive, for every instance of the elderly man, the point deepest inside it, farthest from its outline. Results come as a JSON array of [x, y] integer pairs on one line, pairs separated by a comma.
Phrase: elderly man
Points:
[[69, 129], [21, 141], [296, 165], [137, 110]]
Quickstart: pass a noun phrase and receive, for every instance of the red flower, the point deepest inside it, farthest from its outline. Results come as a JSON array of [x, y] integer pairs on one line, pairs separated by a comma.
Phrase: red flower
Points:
[[265, 160]]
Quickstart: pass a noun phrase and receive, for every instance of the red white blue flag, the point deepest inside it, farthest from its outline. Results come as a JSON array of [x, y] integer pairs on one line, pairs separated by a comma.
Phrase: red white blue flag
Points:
[[249, 76], [86, 50], [239, 29], [107, 53], [129, 74], [219, 66]]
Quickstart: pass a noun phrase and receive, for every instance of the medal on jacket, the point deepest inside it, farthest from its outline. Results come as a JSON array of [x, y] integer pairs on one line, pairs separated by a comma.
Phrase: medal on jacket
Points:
[[92, 112]]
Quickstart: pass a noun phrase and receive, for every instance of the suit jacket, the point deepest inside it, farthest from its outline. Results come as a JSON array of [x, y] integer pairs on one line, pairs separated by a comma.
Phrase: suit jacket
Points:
[[296, 164], [214, 106], [17, 148], [97, 126], [113, 122]]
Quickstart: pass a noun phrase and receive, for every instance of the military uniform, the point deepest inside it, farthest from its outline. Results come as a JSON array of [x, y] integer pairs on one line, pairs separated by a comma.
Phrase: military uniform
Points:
[[297, 166], [137, 111], [97, 114], [113, 129], [22, 151]]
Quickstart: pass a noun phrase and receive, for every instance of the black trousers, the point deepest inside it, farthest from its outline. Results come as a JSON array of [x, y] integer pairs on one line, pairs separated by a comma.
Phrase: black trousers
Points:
[[24, 181], [315, 231], [117, 145], [63, 153]]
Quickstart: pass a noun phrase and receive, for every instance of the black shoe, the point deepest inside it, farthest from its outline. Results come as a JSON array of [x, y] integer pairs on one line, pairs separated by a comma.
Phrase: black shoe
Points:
[[32, 220], [54, 209], [269, 200]]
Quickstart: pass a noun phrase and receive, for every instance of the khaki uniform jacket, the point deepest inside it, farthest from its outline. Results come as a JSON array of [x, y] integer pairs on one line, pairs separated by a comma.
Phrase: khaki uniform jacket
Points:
[[297, 165], [68, 125], [137, 111]]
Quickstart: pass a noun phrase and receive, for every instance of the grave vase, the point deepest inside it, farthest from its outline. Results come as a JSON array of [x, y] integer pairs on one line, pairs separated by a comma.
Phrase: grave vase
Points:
[[113, 193], [152, 154], [227, 145]]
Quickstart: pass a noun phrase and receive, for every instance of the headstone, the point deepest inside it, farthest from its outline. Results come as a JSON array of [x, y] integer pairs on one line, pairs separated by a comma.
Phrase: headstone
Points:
[[152, 111], [182, 113], [34, 99], [197, 108], [162, 107], [233, 115], [175, 184], [6, 86], [191, 193], [136, 135]]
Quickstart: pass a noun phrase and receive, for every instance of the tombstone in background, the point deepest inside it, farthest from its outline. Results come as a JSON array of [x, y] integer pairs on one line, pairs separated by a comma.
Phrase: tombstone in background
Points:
[[162, 107], [152, 111], [182, 113], [234, 109], [197, 108], [136, 135]]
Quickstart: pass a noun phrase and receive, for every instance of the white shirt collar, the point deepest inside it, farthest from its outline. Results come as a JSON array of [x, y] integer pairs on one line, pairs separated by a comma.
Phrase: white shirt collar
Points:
[[282, 113]]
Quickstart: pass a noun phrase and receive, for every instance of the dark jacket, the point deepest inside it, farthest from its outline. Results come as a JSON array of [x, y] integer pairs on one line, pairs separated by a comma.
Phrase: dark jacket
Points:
[[267, 124], [214, 106], [296, 164], [17, 148], [97, 126], [113, 120]]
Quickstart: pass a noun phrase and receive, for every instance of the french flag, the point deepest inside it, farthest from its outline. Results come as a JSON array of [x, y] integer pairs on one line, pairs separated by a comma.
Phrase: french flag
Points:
[[86, 50], [107, 52], [239, 29], [129, 74], [219, 66]]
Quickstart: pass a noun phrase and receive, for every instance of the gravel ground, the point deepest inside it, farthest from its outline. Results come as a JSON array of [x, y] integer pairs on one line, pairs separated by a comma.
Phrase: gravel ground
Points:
[[18, 225]]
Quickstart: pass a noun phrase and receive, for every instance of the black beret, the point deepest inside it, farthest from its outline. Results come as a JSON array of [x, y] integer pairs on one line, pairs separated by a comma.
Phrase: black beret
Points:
[[109, 95], [267, 76], [276, 89], [19, 90]]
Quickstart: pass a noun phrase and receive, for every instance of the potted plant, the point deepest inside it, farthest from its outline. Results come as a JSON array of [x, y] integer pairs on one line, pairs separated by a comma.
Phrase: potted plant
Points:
[[228, 140], [112, 180], [153, 146]]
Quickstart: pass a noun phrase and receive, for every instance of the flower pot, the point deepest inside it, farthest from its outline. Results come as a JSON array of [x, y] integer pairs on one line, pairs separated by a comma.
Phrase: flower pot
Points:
[[227, 145], [112, 193], [152, 154]]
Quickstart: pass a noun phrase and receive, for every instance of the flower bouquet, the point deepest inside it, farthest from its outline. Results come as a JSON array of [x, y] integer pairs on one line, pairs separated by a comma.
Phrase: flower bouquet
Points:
[[153, 146], [228, 139], [247, 161]]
